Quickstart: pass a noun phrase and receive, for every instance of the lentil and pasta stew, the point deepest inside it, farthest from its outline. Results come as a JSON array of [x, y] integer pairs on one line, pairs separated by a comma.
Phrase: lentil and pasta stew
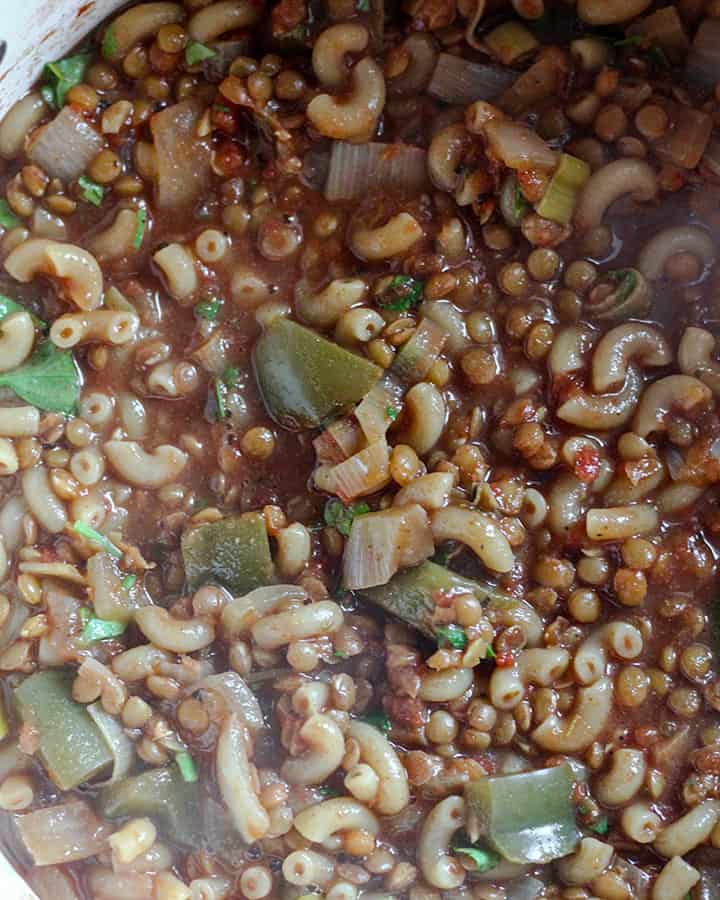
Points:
[[359, 442]]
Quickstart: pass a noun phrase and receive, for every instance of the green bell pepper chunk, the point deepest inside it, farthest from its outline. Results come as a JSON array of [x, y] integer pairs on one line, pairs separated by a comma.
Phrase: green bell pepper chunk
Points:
[[528, 817], [233, 552], [410, 595], [304, 379], [72, 747], [162, 795]]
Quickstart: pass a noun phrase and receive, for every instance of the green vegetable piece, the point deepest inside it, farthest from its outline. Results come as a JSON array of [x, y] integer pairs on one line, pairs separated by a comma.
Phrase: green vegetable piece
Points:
[[484, 860], [410, 595], [453, 635], [49, 380], [128, 582], [402, 293], [7, 306], [72, 747], [64, 74], [163, 796], [95, 629], [304, 379], [96, 538], [339, 516], [529, 817], [209, 310], [378, 720], [559, 200], [140, 228], [109, 48], [187, 767], [490, 653], [8, 219], [195, 53], [233, 552], [363, 6], [91, 191], [391, 413], [602, 826]]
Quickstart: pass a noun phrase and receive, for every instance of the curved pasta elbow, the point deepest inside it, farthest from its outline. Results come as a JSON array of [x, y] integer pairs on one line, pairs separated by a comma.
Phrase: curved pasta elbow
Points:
[[75, 271], [673, 394], [236, 783], [538, 666], [608, 184], [440, 869], [216, 19], [142, 469], [478, 531], [326, 748], [630, 341], [177, 635], [301, 623], [589, 860], [601, 412], [391, 239], [354, 116], [17, 336], [393, 791], [321, 821], [624, 779], [324, 308], [583, 725]]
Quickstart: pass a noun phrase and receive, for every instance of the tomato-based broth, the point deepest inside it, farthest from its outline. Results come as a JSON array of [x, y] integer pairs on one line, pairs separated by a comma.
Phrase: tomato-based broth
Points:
[[359, 445]]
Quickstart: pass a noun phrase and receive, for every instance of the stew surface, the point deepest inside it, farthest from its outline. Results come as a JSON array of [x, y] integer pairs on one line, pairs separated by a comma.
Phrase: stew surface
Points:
[[359, 443]]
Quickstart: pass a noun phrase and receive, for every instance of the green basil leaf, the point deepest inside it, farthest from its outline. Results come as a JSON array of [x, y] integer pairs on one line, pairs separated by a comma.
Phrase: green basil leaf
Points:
[[378, 720], [109, 47], [453, 635], [209, 310], [402, 293], [140, 228], [195, 53], [50, 379], [64, 74], [340, 517], [7, 306], [8, 219]]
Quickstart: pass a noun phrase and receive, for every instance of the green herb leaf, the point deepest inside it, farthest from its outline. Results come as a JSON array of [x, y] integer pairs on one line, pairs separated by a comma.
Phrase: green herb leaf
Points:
[[62, 75], [327, 792], [363, 6], [378, 720], [391, 413], [626, 281], [490, 653], [484, 859], [91, 191], [230, 376], [602, 826], [402, 293], [96, 538], [220, 394], [49, 380], [186, 764], [140, 228], [195, 53], [8, 219], [209, 310], [7, 306], [520, 204], [110, 47], [453, 635], [128, 582], [339, 516], [339, 654], [95, 629]]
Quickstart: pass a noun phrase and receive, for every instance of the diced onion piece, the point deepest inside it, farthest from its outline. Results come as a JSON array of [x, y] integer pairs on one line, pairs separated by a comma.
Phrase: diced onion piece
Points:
[[558, 202], [457, 80], [379, 409], [703, 62], [542, 80], [121, 746], [364, 473], [684, 144], [381, 543], [510, 42], [63, 833], [518, 147], [50, 882], [236, 695], [63, 609], [360, 169], [338, 442], [183, 159], [66, 146], [418, 355]]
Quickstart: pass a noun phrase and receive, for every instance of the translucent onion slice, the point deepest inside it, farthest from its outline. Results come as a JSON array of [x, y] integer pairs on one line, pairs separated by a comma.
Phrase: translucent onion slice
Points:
[[379, 409], [338, 442], [364, 473], [457, 80], [65, 147], [63, 833], [417, 356], [381, 543], [121, 746], [357, 170], [236, 695], [519, 147]]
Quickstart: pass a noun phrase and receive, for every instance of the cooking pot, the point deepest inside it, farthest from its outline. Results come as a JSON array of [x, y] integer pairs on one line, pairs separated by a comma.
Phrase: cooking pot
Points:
[[33, 32]]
